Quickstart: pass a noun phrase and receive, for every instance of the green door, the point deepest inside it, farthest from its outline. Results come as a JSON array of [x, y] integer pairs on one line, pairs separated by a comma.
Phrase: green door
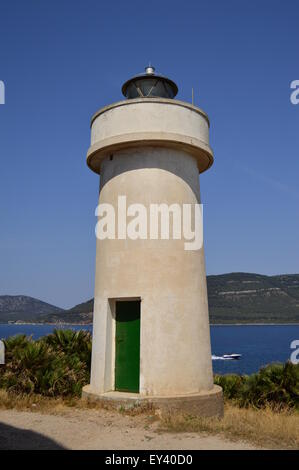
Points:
[[127, 346]]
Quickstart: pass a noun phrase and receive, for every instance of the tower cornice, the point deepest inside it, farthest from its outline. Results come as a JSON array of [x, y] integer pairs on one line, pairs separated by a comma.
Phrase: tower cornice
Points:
[[156, 122]]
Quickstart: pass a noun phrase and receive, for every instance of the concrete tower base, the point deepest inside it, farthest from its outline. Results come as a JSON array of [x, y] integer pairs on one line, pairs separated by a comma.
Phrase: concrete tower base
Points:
[[204, 404]]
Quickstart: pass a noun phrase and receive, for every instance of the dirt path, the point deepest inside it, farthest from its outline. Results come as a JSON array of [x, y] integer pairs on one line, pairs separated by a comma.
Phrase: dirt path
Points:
[[97, 429]]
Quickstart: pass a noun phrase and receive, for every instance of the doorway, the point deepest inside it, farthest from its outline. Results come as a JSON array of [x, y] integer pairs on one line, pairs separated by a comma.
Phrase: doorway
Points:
[[127, 345]]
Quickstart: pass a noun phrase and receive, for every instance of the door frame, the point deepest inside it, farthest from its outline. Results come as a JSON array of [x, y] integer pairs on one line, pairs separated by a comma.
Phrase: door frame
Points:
[[124, 369], [110, 338]]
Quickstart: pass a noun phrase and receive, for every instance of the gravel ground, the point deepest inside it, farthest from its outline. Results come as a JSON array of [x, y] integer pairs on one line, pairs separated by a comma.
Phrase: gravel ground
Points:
[[98, 429]]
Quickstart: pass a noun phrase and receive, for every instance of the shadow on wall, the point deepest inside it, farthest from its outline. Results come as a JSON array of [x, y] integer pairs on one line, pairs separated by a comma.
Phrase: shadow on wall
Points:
[[156, 158], [12, 438]]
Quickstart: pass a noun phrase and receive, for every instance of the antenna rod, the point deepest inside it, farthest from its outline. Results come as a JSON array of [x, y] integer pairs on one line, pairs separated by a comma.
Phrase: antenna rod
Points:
[[192, 96]]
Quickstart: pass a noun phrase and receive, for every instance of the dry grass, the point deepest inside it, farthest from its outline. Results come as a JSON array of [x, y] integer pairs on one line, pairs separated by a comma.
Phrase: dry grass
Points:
[[264, 427], [59, 405], [39, 403]]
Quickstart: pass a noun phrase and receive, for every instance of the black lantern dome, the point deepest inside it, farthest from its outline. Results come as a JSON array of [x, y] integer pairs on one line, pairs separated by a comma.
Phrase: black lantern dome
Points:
[[149, 85]]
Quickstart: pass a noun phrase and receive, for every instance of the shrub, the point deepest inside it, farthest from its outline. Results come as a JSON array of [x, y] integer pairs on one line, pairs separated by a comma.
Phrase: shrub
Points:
[[71, 342], [275, 385], [59, 364], [56, 365], [231, 384]]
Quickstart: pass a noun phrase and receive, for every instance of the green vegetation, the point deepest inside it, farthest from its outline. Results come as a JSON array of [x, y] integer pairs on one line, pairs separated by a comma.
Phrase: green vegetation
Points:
[[276, 385], [47, 375], [55, 365], [58, 365]]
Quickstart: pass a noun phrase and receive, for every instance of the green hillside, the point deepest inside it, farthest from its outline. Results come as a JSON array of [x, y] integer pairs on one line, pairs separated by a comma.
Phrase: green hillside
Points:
[[246, 298], [23, 307], [233, 298], [250, 298]]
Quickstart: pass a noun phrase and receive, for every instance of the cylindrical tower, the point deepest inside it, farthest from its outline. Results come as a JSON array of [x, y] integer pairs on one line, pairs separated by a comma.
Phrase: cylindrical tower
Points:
[[151, 337]]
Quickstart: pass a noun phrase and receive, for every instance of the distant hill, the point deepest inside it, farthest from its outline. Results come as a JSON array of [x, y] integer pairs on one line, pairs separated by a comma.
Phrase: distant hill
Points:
[[81, 313], [85, 307], [233, 298], [22, 307], [246, 298], [253, 298]]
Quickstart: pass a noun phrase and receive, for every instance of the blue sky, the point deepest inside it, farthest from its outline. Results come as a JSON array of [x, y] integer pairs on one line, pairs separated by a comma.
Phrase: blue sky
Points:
[[62, 60]]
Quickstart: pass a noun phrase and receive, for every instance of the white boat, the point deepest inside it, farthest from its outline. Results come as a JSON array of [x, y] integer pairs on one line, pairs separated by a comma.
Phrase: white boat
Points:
[[232, 356]]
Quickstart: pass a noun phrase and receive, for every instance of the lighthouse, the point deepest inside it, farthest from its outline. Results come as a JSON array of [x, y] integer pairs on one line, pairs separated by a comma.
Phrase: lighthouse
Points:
[[151, 332]]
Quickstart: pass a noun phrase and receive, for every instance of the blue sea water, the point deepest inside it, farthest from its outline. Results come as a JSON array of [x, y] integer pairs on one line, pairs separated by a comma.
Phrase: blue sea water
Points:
[[258, 344], [36, 331]]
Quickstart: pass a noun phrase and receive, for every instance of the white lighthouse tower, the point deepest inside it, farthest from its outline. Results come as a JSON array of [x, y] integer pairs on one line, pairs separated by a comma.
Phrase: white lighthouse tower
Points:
[[151, 336]]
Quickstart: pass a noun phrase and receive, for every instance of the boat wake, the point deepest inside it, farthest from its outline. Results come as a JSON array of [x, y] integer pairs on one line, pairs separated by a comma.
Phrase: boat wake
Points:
[[218, 358], [226, 357]]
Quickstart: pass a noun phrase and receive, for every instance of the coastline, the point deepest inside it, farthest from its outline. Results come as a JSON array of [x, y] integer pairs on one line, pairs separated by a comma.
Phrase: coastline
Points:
[[211, 324], [255, 324], [46, 323]]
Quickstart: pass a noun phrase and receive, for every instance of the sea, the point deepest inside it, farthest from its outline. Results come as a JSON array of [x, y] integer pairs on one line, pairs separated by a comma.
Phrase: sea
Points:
[[258, 345]]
